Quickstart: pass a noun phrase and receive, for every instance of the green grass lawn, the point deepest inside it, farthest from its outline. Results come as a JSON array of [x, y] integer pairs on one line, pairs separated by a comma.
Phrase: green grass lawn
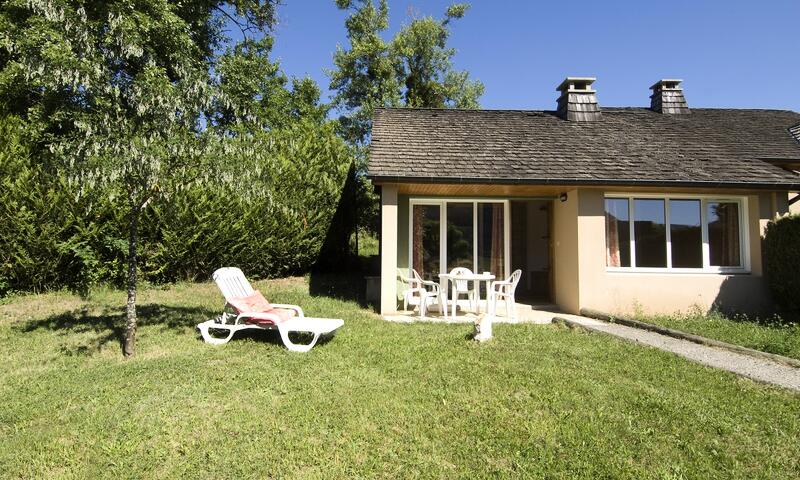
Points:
[[771, 337], [379, 400]]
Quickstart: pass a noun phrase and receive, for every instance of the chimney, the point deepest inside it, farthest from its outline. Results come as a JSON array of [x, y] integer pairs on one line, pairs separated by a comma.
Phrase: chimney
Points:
[[668, 97], [578, 102]]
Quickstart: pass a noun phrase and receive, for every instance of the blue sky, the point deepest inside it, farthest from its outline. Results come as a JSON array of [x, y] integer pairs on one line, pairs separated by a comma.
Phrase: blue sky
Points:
[[732, 53]]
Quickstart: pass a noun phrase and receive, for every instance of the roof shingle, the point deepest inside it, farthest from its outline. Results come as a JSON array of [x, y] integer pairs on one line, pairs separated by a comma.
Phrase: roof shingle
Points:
[[724, 147]]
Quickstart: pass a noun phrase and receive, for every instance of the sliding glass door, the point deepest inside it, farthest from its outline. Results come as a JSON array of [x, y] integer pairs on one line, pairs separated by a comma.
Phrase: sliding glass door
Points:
[[445, 234], [460, 236], [425, 240], [491, 226]]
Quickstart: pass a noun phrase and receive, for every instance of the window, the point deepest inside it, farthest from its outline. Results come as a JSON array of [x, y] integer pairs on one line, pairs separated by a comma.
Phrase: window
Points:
[[675, 232], [723, 233], [650, 232], [686, 233]]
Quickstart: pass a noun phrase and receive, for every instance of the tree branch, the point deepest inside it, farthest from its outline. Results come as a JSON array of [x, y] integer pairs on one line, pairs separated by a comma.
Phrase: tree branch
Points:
[[236, 22]]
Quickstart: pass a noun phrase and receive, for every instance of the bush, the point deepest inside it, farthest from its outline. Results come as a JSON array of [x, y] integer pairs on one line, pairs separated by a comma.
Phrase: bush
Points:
[[49, 234], [782, 246], [266, 207]]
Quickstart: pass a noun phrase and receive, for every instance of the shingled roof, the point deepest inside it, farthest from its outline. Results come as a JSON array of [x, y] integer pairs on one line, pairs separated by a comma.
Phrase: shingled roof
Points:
[[626, 146]]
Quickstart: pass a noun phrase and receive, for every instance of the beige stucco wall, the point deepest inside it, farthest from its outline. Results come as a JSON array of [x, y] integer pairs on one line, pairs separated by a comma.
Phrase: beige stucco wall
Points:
[[388, 249], [661, 293], [794, 209], [565, 252]]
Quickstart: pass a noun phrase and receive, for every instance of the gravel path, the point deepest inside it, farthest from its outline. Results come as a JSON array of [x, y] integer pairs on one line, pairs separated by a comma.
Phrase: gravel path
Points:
[[758, 369]]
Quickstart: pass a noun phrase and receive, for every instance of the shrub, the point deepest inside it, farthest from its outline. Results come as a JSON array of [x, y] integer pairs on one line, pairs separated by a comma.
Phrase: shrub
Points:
[[266, 206], [782, 246]]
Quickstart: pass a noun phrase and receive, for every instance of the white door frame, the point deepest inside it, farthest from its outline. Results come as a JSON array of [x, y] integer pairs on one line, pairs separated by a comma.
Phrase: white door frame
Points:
[[442, 203]]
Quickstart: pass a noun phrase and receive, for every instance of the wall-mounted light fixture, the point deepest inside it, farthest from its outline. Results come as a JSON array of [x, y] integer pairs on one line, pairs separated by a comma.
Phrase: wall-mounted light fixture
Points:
[[563, 197]]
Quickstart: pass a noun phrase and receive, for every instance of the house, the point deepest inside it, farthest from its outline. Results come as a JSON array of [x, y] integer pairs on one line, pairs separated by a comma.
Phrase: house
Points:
[[658, 209]]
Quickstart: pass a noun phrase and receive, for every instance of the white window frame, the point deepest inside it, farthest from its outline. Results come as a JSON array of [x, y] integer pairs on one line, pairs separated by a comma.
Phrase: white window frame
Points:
[[442, 204], [744, 237]]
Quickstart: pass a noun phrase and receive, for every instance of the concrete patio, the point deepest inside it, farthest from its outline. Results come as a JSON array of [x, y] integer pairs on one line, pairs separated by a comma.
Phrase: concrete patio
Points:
[[526, 313]]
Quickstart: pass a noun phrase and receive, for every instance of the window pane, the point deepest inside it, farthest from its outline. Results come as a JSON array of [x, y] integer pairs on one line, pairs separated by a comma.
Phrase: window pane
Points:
[[723, 234], [491, 239], [459, 236], [618, 233], [686, 235], [425, 241], [649, 229]]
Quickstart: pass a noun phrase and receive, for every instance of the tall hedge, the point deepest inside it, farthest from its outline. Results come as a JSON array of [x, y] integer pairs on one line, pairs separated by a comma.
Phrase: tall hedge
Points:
[[782, 244], [266, 206]]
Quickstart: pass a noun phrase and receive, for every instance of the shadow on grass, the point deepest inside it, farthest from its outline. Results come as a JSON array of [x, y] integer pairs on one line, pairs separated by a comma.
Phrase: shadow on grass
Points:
[[108, 326], [348, 286]]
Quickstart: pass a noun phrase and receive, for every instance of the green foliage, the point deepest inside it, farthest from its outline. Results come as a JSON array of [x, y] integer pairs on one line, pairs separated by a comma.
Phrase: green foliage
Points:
[[253, 92], [125, 120], [266, 206], [782, 245], [51, 237], [267, 209], [364, 77], [413, 69], [424, 64]]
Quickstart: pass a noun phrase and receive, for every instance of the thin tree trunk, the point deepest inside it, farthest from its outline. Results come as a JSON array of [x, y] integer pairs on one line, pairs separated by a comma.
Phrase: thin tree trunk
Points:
[[130, 323]]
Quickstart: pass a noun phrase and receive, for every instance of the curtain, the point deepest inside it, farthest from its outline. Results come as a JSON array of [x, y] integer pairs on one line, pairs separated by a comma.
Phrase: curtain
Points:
[[729, 221], [498, 241], [612, 241], [417, 224]]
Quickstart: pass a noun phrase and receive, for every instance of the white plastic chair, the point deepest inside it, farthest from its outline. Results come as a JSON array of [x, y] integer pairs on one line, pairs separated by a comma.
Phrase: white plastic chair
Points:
[[505, 290], [419, 292], [234, 285], [461, 287]]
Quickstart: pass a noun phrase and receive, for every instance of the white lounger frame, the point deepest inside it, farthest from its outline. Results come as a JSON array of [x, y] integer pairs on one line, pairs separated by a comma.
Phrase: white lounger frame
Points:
[[233, 284]]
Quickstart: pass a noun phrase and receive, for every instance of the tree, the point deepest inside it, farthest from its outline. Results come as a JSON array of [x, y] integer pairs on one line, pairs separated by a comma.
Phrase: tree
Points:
[[413, 69], [365, 75], [114, 91], [424, 64], [253, 94]]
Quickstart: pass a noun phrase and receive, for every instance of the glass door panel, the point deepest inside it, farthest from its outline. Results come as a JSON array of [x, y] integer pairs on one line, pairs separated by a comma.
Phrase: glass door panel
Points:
[[460, 236], [425, 240], [491, 239]]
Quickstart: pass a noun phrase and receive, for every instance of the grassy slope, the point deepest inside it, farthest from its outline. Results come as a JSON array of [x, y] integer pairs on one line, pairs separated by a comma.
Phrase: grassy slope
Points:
[[379, 400], [767, 337]]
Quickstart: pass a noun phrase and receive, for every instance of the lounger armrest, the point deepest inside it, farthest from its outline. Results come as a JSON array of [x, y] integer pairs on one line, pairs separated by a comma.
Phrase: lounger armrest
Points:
[[296, 308], [430, 283], [251, 315]]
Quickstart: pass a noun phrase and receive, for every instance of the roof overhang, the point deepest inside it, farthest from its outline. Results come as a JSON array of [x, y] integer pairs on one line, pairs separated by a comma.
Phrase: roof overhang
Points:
[[382, 179]]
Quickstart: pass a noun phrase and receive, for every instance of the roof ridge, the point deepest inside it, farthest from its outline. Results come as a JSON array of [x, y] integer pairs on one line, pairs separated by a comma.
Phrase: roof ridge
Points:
[[610, 108]]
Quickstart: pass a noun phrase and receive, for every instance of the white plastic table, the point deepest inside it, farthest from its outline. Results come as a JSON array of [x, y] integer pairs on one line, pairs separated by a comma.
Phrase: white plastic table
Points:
[[445, 278]]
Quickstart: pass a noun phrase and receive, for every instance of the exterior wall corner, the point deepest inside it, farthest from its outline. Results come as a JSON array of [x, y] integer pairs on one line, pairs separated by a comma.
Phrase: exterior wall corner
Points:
[[388, 249]]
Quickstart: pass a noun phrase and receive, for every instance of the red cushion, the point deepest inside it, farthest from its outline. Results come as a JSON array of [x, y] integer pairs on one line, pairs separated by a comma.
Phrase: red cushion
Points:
[[266, 313], [255, 302]]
